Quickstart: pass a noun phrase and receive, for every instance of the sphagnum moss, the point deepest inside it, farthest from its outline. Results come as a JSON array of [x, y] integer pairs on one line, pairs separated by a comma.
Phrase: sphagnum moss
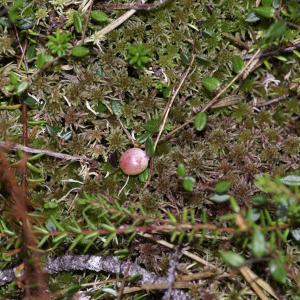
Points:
[[238, 143]]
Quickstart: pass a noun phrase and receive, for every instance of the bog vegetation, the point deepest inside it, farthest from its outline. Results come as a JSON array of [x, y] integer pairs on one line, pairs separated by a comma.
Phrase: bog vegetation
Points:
[[209, 89]]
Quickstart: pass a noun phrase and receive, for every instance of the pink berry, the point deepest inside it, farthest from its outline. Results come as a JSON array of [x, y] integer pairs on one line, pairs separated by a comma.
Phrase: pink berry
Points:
[[134, 161]]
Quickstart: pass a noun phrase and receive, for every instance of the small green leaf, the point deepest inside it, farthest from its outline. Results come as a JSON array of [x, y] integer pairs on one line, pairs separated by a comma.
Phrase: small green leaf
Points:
[[25, 23], [99, 16], [222, 186], [152, 125], [108, 227], [143, 177], [5, 22], [211, 83], [252, 18], [172, 218], [100, 107], [258, 245], [237, 63], [108, 240], [143, 137], [116, 107], [13, 78], [200, 121], [278, 270], [110, 291], [188, 183], [232, 259], [181, 170], [259, 199], [21, 87], [31, 53], [219, 198], [77, 22], [149, 146], [276, 3], [234, 205], [265, 11], [275, 31], [296, 234], [291, 180], [79, 51], [76, 241], [50, 204], [42, 59]]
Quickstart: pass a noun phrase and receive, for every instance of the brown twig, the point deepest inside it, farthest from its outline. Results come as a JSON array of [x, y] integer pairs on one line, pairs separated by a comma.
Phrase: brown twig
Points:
[[254, 281], [113, 25], [272, 101], [135, 6], [12, 146], [274, 52], [108, 264], [173, 97], [88, 15], [166, 113], [19, 209]]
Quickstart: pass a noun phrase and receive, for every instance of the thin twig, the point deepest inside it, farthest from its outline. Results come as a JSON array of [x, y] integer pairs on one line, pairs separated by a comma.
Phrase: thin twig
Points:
[[257, 283], [254, 281], [272, 101], [275, 52], [217, 97], [109, 264], [136, 6], [12, 146], [113, 25], [173, 97], [186, 253], [129, 136], [88, 15]]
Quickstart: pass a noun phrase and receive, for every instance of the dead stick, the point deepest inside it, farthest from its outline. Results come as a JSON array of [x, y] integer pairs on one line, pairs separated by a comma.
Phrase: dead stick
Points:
[[173, 97], [12, 146]]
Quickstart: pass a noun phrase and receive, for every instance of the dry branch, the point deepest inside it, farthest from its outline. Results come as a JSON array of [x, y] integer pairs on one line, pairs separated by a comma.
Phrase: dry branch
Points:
[[12, 146], [108, 264]]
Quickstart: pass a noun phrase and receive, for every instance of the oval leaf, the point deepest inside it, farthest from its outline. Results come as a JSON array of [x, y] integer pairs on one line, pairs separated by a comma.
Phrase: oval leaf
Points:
[[296, 234], [181, 170], [211, 83], [149, 147], [99, 16], [275, 31], [188, 183], [200, 121], [80, 51], [278, 270], [77, 22], [21, 87], [265, 11], [219, 198], [252, 18], [143, 177], [291, 180], [232, 259], [222, 186], [258, 245], [237, 63]]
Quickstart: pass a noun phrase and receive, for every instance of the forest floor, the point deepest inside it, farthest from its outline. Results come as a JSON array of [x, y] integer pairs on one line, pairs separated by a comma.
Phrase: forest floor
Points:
[[209, 90]]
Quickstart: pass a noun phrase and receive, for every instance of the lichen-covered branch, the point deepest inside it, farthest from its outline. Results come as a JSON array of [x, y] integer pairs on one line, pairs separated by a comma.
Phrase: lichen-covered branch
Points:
[[107, 264]]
